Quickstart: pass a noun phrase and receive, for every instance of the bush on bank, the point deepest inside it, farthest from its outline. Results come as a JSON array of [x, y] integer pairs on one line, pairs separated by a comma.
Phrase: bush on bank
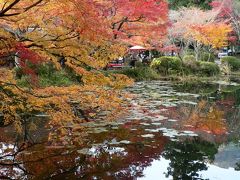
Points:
[[233, 62], [167, 65]]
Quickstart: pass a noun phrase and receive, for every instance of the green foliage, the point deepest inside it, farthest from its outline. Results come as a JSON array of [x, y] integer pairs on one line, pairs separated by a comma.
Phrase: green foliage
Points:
[[209, 57], [190, 65], [173, 65], [155, 53], [189, 58], [188, 158], [19, 72], [47, 75], [167, 64], [139, 64], [176, 4], [208, 68], [233, 62], [139, 73], [204, 56], [45, 69], [57, 78], [24, 81], [189, 52]]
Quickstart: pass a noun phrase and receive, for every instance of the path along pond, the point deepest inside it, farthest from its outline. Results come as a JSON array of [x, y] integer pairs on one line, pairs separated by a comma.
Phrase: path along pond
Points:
[[171, 131]]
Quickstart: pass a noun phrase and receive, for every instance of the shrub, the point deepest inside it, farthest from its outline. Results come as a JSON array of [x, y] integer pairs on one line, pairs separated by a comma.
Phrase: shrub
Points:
[[24, 81], [50, 76], [155, 63], [225, 68], [140, 73], [19, 72], [189, 58], [45, 69], [57, 78], [191, 66], [233, 62], [167, 64], [190, 52], [47, 75], [139, 64], [207, 57], [208, 68]]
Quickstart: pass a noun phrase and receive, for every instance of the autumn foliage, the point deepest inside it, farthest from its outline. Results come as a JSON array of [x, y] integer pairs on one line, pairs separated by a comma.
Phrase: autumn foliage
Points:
[[213, 122], [214, 34], [198, 28], [89, 34]]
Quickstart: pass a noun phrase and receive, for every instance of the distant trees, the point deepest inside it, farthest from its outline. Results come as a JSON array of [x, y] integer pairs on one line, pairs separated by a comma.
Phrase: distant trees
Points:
[[197, 28], [229, 10], [203, 4]]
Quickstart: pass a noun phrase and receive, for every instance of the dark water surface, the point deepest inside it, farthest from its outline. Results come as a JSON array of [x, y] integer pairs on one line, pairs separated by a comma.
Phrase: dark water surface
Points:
[[172, 131]]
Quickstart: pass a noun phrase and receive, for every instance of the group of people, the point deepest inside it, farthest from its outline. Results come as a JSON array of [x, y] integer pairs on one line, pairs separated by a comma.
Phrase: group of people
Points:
[[142, 57]]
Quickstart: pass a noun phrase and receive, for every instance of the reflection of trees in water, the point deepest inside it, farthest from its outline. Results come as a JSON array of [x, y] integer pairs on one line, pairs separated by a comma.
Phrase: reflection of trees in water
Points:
[[13, 144], [230, 104], [197, 87], [203, 117], [188, 158], [237, 166], [34, 161], [207, 117], [209, 113], [233, 120], [11, 167], [127, 164], [214, 110], [231, 93], [125, 161]]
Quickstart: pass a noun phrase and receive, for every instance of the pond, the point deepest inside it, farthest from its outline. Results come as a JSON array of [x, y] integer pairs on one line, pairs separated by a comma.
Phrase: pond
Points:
[[171, 131]]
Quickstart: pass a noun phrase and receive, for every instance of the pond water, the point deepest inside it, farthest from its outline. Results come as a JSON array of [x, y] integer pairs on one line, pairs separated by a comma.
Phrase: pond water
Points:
[[171, 131]]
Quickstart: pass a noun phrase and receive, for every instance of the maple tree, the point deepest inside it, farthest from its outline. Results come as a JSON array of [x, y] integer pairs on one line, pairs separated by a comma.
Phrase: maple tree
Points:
[[197, 28], [141, 22], [229, 10], [214, 35], [88, 34]]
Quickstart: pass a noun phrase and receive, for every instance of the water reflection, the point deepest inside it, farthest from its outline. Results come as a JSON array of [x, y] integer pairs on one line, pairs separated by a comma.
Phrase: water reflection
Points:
[[206, 117], [179, 126], [188, 158]]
